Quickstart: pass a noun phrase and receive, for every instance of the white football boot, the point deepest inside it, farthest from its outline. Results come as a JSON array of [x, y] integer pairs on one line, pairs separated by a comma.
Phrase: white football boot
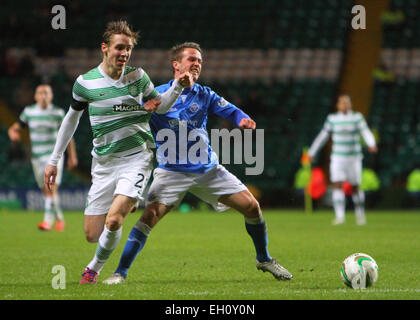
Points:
[[338, 221], [361, 221], [272, 266], [114, 278], [360, 218]]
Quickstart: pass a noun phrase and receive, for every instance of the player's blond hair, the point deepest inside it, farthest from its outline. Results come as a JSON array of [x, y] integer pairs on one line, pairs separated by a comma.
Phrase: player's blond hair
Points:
[[119, 27]]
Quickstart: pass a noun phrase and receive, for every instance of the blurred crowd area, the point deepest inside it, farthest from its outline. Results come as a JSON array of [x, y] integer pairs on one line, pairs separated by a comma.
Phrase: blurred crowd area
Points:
[[280, 61]]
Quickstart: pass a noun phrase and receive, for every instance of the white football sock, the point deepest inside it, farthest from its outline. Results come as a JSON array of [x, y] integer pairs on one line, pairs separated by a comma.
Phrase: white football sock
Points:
[[108, 241], [359, 206], [144, 228], [339, 203], [48, 210], [58, 212]]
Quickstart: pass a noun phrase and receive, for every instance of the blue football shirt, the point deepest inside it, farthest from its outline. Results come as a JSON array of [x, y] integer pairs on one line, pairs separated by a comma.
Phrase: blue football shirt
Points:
[[187, 119]]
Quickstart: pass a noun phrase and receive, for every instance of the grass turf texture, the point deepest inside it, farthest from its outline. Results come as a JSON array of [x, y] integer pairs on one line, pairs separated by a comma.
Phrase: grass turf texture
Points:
[[208, 255]]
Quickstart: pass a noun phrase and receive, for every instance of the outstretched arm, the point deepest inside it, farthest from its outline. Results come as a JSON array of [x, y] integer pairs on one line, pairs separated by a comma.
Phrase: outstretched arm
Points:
[[320, 140], [229, 111], [367, 136], [163, 102], [65, 133], [169, 97], [72, 160]]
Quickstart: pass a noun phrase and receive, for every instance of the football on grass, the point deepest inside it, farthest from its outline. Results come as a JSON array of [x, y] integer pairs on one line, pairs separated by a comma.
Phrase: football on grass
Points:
[[359, 271]]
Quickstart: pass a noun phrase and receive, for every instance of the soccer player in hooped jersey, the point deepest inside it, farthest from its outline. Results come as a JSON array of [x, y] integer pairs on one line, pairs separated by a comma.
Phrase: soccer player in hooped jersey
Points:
[[43, 120], [207, 179], [119, 100], [345, 127]]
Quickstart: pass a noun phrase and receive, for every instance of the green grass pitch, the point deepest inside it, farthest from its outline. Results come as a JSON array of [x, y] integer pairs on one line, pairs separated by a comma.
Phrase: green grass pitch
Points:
[[208, 255]]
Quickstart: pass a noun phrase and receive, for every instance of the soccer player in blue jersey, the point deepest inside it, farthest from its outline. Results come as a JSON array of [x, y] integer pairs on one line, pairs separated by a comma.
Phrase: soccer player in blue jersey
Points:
[[208, 180]]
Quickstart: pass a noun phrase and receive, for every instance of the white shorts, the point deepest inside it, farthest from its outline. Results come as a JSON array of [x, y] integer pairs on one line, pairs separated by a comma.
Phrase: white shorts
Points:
[[127, 176], [170, 187], [346, 171], [38, 166]]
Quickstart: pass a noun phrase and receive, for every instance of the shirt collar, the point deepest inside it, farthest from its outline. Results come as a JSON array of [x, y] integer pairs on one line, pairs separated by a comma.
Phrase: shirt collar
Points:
[[345, 114], [107, 77], [47, 108]]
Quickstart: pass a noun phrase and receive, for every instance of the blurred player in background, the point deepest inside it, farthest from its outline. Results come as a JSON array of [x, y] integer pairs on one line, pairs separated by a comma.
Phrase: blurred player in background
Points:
[[207, 180], [43, 120], [114, 94], [345, 127]]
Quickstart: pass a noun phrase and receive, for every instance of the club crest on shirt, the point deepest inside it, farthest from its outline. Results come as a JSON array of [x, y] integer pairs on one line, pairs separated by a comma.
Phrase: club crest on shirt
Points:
[[133, 90], [222, 103], [194, 107]]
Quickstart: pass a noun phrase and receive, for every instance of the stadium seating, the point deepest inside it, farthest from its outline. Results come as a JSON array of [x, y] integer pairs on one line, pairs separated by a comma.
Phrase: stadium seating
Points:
[[395, 112], [406, 34], [288, 52], [396, 116], [214, 24]]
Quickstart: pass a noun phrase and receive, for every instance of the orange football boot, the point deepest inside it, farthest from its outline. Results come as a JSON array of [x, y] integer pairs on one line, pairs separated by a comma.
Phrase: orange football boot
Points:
[[89, 277], [59, 225], [44, 226]]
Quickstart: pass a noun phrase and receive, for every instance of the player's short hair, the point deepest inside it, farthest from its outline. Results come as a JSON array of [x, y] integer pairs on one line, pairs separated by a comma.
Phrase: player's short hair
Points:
[[119, 27], [176, 51], [43, 84], [346, 95]]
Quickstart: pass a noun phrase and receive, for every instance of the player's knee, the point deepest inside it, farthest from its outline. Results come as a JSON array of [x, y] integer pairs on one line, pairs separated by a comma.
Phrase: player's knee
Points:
[[150, 215], [255, 208], [91, 237], [252, 208], [153, 213], [114, 223]]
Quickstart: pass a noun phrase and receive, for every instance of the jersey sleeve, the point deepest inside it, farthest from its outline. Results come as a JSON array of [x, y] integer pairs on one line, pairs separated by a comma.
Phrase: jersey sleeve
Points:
[[23, 118], [64, 135], [223, 108], [361, 124], [61, 113], [80, 99], [328, 125], [321, 139], [365, 132], [147, 87]]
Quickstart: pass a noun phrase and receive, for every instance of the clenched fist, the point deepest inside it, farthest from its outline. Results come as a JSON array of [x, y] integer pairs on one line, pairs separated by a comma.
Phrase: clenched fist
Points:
[[247, 123], [186, 79], [152, 105]]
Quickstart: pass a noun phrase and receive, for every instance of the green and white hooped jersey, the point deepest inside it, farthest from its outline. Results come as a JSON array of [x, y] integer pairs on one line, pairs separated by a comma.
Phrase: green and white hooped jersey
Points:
[[345, 129], [120, 125], [43, 127]]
